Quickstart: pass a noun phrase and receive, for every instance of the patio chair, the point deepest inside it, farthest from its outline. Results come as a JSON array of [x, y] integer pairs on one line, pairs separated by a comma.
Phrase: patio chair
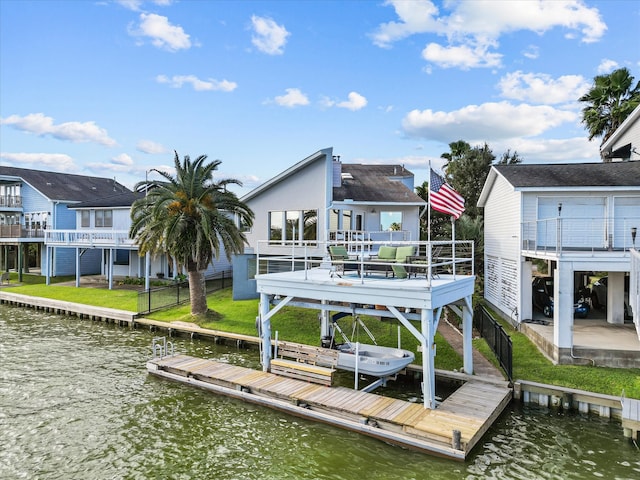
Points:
[[339, 256]]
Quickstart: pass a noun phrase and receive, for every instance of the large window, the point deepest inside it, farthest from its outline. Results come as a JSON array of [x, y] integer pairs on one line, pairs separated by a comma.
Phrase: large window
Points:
[[104, 218], [299, 225], [85, 218], [390, 221]]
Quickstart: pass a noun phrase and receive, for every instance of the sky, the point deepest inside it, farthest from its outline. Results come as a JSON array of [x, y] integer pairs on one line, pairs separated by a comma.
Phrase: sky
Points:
[[114, 88]]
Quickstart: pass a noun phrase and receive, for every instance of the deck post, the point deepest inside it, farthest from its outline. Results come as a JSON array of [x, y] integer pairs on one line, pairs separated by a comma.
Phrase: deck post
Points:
[[467, 337], [265, 331], [428, 353], [77, 267]]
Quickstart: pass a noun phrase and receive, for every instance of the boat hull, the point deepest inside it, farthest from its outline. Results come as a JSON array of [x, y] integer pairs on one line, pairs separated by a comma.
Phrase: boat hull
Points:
[[374, 360]]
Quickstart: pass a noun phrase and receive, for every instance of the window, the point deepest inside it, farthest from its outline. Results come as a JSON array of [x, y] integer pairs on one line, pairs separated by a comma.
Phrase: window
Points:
[[293, 226], [121, 257], [242, 226], [275, 227], [85, 218], [390, 221], [299, 225], [104, 218]]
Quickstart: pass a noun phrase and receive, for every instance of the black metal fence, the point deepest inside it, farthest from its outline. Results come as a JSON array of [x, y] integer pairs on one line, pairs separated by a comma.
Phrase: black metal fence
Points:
[[178, 292], [496, 338]]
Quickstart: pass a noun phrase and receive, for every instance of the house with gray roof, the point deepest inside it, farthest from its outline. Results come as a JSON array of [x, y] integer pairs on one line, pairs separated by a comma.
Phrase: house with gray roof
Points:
[[33, 202], [575, 219], [322, 199]]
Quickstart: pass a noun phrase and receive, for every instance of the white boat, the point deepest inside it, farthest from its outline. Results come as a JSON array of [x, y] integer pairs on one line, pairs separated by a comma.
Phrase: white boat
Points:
[[373, 360]]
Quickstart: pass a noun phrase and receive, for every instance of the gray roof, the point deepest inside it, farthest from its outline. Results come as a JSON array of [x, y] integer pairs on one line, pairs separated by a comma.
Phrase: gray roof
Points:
[[66, 187], [613, 174], [124, 199], [375, 183]]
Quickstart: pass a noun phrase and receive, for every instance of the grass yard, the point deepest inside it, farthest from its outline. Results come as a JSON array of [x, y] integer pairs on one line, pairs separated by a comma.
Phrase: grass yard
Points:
[[302, 325]]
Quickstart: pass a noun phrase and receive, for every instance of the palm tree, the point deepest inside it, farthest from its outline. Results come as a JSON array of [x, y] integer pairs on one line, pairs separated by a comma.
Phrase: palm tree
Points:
[[609, 102], [190, 217]]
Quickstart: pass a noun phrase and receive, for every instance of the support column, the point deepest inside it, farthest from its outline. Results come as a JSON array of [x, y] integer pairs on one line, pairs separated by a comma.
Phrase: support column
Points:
[[111, 257], [147, 270], [77, 267], [615, 298], [525, 309], [467, 336], [428, 355], [325, 327], [563, 306], [265, 331], [47, 264], [19, 267]]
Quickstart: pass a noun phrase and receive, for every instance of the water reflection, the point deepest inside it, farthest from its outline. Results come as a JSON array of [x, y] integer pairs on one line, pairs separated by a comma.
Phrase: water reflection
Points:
[[76, 402]]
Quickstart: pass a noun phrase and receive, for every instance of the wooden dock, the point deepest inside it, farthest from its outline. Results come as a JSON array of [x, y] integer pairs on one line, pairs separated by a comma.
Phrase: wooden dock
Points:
[[451, 430]]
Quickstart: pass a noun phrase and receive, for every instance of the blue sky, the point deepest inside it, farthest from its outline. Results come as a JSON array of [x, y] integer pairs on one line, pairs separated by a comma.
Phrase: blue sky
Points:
[[112, 88]]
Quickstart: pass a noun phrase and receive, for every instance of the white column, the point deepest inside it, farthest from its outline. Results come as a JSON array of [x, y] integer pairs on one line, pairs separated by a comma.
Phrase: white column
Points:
[[265, 331], [111, 257], [428, 355], [77, 267], [467, 336], [147, 270], [525, 309], [615, 298], [563, 306]]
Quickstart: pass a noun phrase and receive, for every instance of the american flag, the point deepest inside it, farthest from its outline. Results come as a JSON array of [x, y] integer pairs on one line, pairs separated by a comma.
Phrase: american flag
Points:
[[443, 198]]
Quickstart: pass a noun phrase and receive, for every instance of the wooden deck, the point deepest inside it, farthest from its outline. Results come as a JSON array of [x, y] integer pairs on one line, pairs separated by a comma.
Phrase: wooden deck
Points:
[[470, 410]]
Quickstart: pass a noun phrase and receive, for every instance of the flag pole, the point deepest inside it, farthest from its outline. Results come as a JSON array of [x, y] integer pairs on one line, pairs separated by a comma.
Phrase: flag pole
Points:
[[453, 245], [429, 208]]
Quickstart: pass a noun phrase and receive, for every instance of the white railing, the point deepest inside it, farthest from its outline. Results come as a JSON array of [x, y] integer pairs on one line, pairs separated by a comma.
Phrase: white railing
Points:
[[353, 239], [88, 238], [427, 259], [562, 235]]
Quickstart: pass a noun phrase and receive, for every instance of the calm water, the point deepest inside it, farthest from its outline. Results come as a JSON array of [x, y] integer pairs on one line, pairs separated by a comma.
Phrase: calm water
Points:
[[76, 402]]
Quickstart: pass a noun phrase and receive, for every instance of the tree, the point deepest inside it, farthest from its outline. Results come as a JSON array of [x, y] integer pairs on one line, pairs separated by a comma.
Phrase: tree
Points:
[[466, 171], [609, 102], [190, 217]]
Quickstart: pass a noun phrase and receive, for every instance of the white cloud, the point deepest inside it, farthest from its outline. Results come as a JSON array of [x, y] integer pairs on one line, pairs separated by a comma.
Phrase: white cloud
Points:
[[293, 98], [607, 66], [486, 122], [355, 102], [415, 17], [149, 146], [136, 5], [532, 52], [541, 150], [461, 56], [77, 132], [177, 81], [123, 159], [162, 33], [542, 88], [268, 37], [473, 27], [54, 161]]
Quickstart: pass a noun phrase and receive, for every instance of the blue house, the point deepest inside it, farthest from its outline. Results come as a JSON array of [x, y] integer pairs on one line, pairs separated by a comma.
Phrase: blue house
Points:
[[33, 202]]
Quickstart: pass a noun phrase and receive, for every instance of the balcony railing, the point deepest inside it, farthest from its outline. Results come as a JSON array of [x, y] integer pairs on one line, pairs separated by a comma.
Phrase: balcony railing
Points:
[[88, 238], [563, 235], [11, 201], [356, 240], [427, 259], [19, 231]]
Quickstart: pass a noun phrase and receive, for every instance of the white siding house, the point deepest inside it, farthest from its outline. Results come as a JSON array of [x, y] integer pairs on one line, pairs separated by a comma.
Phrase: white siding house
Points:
[[321, 199], [578, 218]]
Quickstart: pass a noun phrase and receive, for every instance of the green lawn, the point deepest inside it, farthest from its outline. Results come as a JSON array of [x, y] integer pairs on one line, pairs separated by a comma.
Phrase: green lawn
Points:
[[302, 325]]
